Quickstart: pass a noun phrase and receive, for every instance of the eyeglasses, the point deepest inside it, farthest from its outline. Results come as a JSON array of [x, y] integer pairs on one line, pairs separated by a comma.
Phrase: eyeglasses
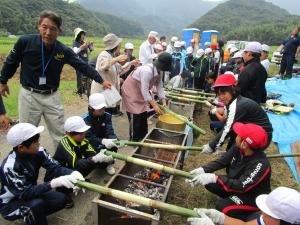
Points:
[[52, 29]]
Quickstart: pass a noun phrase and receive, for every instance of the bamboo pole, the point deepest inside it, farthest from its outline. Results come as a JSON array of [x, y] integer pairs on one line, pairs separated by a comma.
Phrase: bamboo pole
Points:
[[187, 96], [138, 199], [161, 146], [194, 92], [148, 164], [283, 155], [185, 120], [185, 99]]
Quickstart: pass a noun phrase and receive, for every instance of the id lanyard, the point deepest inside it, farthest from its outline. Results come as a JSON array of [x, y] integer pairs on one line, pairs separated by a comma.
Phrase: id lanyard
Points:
[[42, 80]]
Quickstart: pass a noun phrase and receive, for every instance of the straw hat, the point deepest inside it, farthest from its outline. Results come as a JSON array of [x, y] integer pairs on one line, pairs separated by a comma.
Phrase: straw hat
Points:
[[77, 31], [111, 41]]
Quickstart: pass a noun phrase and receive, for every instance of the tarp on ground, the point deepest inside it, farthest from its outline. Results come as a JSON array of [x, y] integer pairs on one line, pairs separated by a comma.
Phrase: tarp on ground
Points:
[[286, 127]]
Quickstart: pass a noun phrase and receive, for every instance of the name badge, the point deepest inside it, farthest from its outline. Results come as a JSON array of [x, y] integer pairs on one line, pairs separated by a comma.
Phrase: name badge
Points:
[[42, 81]]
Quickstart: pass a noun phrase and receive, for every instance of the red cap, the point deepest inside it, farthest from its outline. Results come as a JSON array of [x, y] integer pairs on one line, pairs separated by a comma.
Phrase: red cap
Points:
[[254, 135], [213, 46], [225, 80]]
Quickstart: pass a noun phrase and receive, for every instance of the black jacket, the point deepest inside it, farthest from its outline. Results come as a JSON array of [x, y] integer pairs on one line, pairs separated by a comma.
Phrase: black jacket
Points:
[[245, 174], [252, 81], [28, 52], [19, 174], [2, 107], [101, 127], [242, 110]]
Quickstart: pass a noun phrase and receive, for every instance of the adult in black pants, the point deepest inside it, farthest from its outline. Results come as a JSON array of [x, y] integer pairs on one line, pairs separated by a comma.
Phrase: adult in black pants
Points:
[[248, 173], [290, 49], [4, 120]]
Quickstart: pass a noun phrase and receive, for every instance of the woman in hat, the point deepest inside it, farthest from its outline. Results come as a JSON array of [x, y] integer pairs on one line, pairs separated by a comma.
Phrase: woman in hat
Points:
[[81, 48], [136, 96], [280, 207], [109, 64]]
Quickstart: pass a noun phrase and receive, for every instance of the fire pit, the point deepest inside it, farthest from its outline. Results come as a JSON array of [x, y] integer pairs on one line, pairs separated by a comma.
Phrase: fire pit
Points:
[[144, 182]]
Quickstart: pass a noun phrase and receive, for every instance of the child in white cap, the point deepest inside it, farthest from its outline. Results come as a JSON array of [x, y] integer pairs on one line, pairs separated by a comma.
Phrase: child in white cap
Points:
[[21, 197], [280, 207]]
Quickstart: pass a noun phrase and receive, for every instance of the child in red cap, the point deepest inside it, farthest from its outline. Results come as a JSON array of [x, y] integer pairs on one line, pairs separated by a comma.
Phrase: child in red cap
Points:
[[248, 173]]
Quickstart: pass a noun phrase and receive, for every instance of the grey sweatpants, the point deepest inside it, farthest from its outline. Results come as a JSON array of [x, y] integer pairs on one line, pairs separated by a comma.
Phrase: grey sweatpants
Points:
[[33, 106]]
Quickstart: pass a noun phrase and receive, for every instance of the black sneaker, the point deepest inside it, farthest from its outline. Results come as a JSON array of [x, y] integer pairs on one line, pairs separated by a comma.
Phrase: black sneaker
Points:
[[69, 202]]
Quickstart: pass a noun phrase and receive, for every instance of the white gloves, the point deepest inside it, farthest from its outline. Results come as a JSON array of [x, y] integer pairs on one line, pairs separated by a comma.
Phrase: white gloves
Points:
[[66, 181], [216, 216], [213, 111], [204, 179], [76, 176], [197, 171], [101, 157], [207, 103], [207, 149], [200, 221], [109, 143]]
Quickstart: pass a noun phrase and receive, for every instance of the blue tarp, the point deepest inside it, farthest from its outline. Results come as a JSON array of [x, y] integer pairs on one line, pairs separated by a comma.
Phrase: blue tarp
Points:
[[286, 127]]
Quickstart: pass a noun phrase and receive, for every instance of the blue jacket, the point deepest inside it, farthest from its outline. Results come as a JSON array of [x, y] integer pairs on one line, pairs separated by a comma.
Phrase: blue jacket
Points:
[[101, 127], [19, 174]]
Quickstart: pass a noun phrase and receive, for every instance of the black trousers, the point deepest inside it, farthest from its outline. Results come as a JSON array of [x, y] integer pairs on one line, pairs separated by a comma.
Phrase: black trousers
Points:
[[138, 126], [235, 205], [286, 64], [35, 211]]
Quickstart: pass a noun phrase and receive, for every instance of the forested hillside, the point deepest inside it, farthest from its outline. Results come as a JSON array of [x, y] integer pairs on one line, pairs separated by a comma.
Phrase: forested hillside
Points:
[[19, 17], [249, 20]]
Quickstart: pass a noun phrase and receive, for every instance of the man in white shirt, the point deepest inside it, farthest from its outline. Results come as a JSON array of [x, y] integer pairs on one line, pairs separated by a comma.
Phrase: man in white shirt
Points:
[[170, 47], [147, 54], [264, 57]]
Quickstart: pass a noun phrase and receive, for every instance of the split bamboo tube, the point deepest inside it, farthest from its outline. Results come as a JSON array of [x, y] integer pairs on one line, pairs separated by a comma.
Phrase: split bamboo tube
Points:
[[283, 155], [188, 96], [185, 120], [185, 99], [148, 164], [160, 146], [138, 199], [194, 92]]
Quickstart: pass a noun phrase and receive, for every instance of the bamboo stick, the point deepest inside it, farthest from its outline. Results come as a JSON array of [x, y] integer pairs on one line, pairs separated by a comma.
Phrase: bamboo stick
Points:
[[148, 164], [185, 99], [283, 155], [161, 146], [185, 120], [187, 96], [138, 199], [194, 92]]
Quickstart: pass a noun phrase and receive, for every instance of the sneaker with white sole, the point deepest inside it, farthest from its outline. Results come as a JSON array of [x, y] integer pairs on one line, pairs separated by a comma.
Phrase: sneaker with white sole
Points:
[[110, 169]]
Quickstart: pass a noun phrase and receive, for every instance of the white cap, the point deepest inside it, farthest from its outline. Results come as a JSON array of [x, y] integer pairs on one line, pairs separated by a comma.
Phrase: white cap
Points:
[[230, 46], [254, 47], [238, 54], [174, 38], [183, 43], [164, 44], [282, 203], [76, 124], [97, 101], [177, 44], [207, 51], [265, 47], [200, 52], [158, 47], [189, 50], [192, 40], [129, 46], [22, 132], [153, 34], [233, 49]]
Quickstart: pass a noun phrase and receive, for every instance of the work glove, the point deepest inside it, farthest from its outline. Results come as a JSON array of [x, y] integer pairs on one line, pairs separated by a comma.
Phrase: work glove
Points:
[[101, 157], [199, 221], [76, 176], [216, 216], [204, 179], [207, 103], [109, 143], [197, 171], [62, 181], [213, 111], [207, 149]]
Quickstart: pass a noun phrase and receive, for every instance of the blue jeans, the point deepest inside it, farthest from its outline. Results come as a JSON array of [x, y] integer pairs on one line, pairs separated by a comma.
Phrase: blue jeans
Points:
[[34, 211]]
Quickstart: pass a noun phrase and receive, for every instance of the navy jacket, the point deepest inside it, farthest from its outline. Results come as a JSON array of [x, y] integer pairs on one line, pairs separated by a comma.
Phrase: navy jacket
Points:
[[2, 108], [101, 127], [290, 45], [19, 174], [28, 52]]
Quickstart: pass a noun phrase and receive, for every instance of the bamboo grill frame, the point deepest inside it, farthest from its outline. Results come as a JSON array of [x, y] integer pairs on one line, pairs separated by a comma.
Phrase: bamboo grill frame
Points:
[[185, 120], [145, 163], [176, 94], [193, 92], [185, 99], [138, 199]]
